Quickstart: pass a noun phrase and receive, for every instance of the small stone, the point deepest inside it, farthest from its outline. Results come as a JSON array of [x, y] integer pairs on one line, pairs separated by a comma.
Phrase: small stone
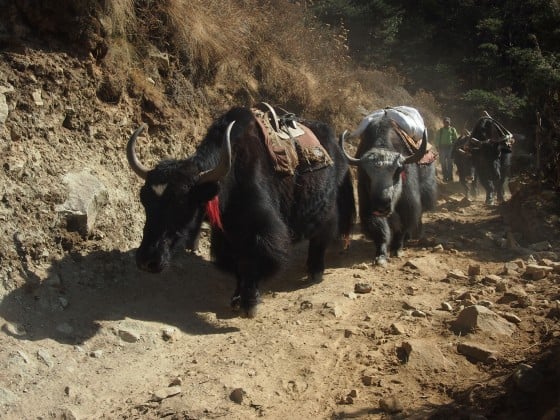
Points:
[[305, 305], [367, 380], [351, 295], [168, 334], [362, 288], [391, 405], [164, 393], [446, 306], [43, 356], [537, 272], [237, 395], [362, 266], [418, 314], [491, 279], [397, 329], [510, 317], [474, 270], [177, 381], [475, 351], [96, 354], [477, 317], [129, 336], [37, 97]]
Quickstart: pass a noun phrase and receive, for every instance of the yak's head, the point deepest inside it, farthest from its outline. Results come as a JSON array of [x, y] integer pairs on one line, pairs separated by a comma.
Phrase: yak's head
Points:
[[491, 130], [174, 195], [383, 172]]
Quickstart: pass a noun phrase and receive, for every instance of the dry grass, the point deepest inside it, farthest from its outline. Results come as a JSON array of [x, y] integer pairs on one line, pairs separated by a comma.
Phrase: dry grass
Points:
[[240, 52]]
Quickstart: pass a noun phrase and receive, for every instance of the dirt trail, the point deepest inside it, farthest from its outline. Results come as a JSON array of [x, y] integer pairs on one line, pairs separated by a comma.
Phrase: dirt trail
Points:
[[95, 338]]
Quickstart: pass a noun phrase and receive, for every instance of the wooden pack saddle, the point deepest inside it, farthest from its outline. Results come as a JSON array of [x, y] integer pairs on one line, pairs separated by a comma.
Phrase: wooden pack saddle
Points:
[[413, 145], [293, 148]]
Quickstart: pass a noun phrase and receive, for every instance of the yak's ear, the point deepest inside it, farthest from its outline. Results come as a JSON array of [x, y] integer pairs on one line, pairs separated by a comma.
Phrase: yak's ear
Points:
[[205, 192]]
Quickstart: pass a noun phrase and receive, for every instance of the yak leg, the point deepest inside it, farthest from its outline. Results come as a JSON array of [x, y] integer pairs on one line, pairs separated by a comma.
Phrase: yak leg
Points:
[[249, 295], [236, 298], [382, 238], [265, 251], [474, 186], [246, 295], [489, 187], [465, 185], [397, 243], [505, 167], [318, 244]]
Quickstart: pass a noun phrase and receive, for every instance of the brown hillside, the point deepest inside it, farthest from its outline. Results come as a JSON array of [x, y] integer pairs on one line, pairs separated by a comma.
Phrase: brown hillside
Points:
[[85, 335]]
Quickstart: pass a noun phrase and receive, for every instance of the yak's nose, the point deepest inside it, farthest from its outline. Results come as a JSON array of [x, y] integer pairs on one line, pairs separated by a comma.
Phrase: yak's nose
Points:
[[382, 209]]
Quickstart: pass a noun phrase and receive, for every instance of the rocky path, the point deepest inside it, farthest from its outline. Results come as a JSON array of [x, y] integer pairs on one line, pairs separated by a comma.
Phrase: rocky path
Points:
[[445, 331]]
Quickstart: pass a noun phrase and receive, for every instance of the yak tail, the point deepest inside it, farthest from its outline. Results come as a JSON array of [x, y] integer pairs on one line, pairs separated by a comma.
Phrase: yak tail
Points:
[[346, 207]]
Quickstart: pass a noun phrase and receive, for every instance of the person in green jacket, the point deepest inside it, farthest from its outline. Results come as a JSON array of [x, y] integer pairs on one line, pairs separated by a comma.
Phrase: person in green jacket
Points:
[[445, 137]]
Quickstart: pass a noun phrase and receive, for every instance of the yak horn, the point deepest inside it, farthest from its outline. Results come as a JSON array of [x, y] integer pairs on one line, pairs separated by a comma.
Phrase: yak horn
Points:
[[420, 152], [351, 160], [223, 167], [133, 161]]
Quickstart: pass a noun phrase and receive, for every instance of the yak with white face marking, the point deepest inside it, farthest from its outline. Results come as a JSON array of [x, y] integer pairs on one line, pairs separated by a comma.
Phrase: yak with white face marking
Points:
[[393, 188], [257, 211]]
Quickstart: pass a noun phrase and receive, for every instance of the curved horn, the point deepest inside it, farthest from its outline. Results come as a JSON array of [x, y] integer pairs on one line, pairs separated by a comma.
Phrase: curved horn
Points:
[[351, 160], [137, 167], [274, 117], [506, 133], [223, 167], [421, 151]]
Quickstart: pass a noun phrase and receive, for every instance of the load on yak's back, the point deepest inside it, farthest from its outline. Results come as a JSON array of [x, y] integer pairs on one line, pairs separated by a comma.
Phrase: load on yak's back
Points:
[[396, 177]]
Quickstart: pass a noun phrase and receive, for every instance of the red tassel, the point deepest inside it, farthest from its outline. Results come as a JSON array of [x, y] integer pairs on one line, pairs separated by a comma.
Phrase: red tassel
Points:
[[403, 176], [213, 213]]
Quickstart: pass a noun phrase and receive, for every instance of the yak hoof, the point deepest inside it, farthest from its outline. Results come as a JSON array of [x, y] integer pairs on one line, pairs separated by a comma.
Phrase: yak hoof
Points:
[[399, 253], [381, 260], [249, 313], [315, 277], [248, 304], [235, 302]]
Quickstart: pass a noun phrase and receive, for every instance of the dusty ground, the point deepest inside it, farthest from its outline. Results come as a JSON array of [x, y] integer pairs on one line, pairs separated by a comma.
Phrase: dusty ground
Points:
[[86, 335]]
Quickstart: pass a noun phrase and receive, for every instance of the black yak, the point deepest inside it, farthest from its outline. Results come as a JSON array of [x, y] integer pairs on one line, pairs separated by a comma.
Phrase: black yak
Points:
[[396, 178], [259, 201], [490, 145]]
